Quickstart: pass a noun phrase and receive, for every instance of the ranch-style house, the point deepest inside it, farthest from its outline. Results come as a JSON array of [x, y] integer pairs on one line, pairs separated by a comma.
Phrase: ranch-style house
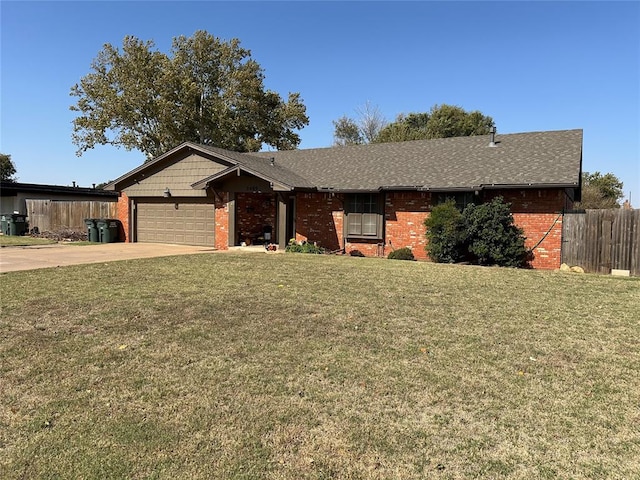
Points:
[[371, 198]]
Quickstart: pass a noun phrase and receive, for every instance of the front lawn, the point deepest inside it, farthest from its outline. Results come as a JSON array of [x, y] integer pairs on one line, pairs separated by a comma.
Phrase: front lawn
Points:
[[310, 366], [23, 241]]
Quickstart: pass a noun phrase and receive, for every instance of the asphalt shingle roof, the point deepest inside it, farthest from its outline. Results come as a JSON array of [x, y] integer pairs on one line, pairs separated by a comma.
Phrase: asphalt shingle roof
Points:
[[537, 158], [551, 158], [262, 166]]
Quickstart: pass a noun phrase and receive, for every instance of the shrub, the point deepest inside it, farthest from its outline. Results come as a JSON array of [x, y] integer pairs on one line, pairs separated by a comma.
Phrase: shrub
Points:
[[304, 247], [403, 253], [493, 238], [484, 234], [445, 234]]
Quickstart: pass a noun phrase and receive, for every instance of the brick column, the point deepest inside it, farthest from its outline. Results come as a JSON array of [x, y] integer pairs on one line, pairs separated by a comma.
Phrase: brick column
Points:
[[222, 222], [123, 216]]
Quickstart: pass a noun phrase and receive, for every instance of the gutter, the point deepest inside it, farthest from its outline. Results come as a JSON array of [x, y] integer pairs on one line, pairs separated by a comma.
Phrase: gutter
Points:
[[15, 187], [449, 189], [495, 186], [348, 190]]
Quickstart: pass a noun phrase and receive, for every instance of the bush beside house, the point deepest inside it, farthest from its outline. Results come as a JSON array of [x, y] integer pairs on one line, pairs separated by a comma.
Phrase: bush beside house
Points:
[[482, 234], [403, 253]]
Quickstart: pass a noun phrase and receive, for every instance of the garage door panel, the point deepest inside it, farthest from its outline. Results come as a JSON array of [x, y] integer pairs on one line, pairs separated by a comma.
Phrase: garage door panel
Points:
[[189, 224]]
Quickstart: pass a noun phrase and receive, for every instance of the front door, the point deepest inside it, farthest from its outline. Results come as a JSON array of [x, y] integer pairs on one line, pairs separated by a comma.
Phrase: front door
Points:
[[291, 219]]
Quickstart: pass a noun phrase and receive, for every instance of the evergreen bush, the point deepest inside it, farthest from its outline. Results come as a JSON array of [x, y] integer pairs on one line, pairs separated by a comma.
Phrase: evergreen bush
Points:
[[445, 234], [403, 253], [493, 238], [483, 234]]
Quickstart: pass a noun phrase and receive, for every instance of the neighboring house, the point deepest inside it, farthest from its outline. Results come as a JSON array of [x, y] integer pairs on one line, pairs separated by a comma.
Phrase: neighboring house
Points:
[[372, 198], [14, 198]]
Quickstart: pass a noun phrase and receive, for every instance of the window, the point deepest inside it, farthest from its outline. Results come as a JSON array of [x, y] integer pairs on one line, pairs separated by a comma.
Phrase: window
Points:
[[364, 215]]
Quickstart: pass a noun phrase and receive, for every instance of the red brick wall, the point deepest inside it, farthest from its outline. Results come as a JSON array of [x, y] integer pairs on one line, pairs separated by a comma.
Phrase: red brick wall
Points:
[[319, 218], [546, 255], [222, 222], [370, 248], [405, 213], [537, 212], [253, 212], [123, 217]]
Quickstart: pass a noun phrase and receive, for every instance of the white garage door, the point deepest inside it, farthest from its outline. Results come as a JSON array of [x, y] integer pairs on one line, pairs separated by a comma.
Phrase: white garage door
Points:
[[181, 223]]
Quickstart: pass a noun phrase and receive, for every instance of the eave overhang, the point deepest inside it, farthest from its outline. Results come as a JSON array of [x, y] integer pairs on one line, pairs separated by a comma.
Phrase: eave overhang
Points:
[[13, 188]]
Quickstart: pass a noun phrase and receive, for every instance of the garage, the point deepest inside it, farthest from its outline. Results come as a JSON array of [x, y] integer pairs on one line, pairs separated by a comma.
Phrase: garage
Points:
[[187, 223]]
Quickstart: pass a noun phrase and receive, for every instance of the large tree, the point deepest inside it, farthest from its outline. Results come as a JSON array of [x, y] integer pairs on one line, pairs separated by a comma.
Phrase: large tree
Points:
[[364, 129], [412, 126], [441, 121], [346, 131], [7, 168], [600, 191], [207, 90]]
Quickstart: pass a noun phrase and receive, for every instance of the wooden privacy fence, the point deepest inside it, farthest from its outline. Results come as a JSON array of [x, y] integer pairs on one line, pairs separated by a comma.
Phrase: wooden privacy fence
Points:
[[54, 215], [602, 240]]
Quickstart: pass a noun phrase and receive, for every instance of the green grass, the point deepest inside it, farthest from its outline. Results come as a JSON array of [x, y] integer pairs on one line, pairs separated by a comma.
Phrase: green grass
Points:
[[20, 241], [313, 367]]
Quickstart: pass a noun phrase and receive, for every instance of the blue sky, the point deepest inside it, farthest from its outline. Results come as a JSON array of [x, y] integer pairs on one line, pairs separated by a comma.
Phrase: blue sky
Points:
[[530, 65]]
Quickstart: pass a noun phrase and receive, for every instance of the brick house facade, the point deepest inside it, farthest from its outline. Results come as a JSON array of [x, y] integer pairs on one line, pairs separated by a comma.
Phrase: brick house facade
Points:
[[371, 198], [405, 213]]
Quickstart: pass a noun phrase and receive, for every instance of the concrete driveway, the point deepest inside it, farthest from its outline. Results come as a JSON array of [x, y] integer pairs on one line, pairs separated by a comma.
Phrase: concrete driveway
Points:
[[44, 256]]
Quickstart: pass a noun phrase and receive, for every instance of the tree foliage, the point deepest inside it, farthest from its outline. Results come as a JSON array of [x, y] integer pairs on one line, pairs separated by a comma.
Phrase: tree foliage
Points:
[[412, 126], [442, 121], [600, 191], [484, 234], [346, 132], [349, 131], [7, 168], [207, 91]]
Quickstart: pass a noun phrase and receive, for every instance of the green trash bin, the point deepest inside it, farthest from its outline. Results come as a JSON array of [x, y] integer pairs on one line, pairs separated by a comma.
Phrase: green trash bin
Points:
[[17, 224], [4, 224], [92, 229], [107, 230]]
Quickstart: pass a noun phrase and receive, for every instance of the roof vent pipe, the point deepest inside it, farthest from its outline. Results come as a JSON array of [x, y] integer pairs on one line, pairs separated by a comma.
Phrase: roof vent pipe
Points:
[[492, 137], [273, 161]]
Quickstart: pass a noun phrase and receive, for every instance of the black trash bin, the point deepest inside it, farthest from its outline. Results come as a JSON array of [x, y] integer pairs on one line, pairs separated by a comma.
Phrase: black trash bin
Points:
[[92, 229], [107, 230], [16, 224]]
